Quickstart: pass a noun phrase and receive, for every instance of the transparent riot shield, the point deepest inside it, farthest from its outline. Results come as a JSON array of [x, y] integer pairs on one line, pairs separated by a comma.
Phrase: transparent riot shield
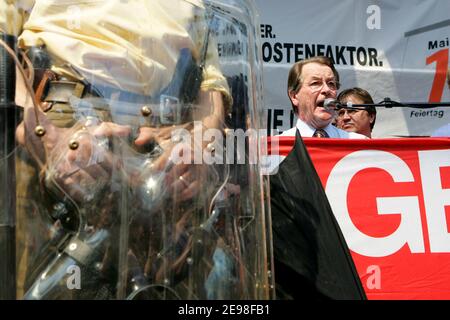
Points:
[[9, 117], [140, 164]]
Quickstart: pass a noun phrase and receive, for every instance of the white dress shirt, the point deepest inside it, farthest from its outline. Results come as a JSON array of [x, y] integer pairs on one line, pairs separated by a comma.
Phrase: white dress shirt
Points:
[[333, 132], [272, 162]]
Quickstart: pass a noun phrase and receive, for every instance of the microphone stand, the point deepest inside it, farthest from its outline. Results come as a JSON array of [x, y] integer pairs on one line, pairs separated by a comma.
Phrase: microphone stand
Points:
[[388, 103]]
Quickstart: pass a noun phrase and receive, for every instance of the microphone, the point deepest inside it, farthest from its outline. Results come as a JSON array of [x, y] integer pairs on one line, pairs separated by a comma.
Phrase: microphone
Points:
[[331, 104]]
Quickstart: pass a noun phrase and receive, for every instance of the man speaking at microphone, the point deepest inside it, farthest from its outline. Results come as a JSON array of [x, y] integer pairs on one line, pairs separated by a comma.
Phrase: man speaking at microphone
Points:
[[311, 258], [310, 83]]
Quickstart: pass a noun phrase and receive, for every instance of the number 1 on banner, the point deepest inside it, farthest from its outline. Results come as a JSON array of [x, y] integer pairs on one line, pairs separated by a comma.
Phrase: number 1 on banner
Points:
[[441, 58]]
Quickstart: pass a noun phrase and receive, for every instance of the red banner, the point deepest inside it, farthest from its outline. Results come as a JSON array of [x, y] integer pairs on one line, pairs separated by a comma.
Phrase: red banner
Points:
[[391, 198]]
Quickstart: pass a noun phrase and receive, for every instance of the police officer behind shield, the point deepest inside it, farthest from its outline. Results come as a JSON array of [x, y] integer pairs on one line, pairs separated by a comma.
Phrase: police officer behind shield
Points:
[[110, 91]]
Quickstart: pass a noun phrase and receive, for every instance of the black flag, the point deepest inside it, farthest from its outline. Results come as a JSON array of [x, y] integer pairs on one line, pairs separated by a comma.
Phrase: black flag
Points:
[[312, 260]]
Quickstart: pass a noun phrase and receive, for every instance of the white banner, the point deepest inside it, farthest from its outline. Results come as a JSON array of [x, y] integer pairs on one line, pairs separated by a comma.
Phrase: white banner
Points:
[[392, 48]]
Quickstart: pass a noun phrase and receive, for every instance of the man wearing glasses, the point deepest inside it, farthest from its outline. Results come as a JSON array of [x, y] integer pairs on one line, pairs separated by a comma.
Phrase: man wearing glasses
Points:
[[359, 119], [310, 82]]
